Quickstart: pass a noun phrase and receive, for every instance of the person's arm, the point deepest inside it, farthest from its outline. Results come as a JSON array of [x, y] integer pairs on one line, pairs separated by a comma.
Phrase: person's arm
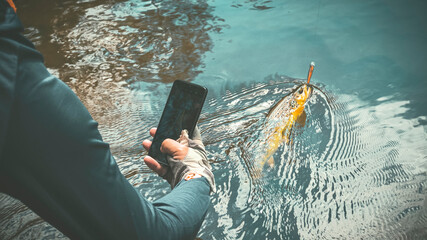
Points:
[[54, 160], [188, 164]]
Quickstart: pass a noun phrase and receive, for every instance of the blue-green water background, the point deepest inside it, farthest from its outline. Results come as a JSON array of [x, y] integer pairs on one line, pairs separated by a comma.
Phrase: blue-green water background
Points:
[[358, 169]]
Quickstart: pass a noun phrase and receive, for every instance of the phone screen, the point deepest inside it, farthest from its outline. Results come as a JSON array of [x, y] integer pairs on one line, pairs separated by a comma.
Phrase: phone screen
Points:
[[181, 112]]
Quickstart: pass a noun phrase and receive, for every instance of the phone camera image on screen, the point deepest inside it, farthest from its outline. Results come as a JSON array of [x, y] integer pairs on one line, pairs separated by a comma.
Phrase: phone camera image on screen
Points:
[[181, 112]]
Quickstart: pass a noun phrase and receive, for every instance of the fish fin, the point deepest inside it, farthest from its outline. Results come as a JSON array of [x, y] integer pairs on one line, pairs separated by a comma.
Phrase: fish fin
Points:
[[287, 128], [271, 162], [301, 119], [262, 163]]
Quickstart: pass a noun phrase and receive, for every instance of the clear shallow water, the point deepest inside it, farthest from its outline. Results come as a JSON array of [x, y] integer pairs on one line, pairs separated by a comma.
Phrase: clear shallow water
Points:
[[357, 169]]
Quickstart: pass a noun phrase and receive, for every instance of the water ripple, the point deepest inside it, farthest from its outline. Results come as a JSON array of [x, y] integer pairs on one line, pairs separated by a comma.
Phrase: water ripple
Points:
[[342, 168], [356, 169]]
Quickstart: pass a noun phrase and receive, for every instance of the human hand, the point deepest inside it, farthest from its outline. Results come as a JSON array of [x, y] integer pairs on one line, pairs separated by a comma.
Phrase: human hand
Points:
[[170, 147], [186, 157]]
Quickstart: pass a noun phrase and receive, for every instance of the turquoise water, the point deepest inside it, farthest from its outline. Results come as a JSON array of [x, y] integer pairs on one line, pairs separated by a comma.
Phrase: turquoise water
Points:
[[357, 169]]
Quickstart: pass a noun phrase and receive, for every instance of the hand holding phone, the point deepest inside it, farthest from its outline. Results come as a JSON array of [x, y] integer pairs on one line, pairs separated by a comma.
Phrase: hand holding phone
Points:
[[181, 112]]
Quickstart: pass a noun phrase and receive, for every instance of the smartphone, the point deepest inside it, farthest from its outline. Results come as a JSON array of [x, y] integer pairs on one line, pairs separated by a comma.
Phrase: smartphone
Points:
[[181, 112]]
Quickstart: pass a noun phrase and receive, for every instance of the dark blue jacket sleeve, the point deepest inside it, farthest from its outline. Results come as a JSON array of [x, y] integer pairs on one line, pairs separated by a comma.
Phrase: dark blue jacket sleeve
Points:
[[53, 159]]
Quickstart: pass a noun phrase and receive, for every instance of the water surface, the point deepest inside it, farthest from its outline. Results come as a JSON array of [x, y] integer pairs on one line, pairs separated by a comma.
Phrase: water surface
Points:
[[357, 169]]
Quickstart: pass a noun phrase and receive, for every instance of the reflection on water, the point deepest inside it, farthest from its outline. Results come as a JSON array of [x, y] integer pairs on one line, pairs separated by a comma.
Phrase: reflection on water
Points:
[[357, 169], [136, 40], [100, 47]]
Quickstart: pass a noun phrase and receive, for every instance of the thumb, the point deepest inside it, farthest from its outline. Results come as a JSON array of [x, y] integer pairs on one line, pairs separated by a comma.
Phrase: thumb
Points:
[[174, 149]]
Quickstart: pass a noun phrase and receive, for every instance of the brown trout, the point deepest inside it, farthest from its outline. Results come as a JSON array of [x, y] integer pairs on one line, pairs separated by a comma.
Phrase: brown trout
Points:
[[284, 115]]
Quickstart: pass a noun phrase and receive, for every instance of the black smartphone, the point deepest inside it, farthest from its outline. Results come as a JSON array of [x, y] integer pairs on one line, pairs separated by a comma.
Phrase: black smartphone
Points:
[[181, 112]]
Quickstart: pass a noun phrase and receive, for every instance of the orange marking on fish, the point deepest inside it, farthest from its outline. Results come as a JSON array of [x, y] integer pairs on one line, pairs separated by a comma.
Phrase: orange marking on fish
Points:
[[310, 72]]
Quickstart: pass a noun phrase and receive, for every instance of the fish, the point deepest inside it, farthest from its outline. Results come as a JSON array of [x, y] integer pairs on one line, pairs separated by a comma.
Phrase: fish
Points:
[[284, 116]]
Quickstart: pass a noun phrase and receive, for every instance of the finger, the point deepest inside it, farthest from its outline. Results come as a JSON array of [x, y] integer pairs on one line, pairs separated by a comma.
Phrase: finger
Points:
[[153, 131], [155, 166], [174, 149], [146, 144]]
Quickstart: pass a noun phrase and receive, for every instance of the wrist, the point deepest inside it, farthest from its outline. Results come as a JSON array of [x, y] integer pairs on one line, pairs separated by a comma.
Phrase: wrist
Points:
[[198, 173]]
